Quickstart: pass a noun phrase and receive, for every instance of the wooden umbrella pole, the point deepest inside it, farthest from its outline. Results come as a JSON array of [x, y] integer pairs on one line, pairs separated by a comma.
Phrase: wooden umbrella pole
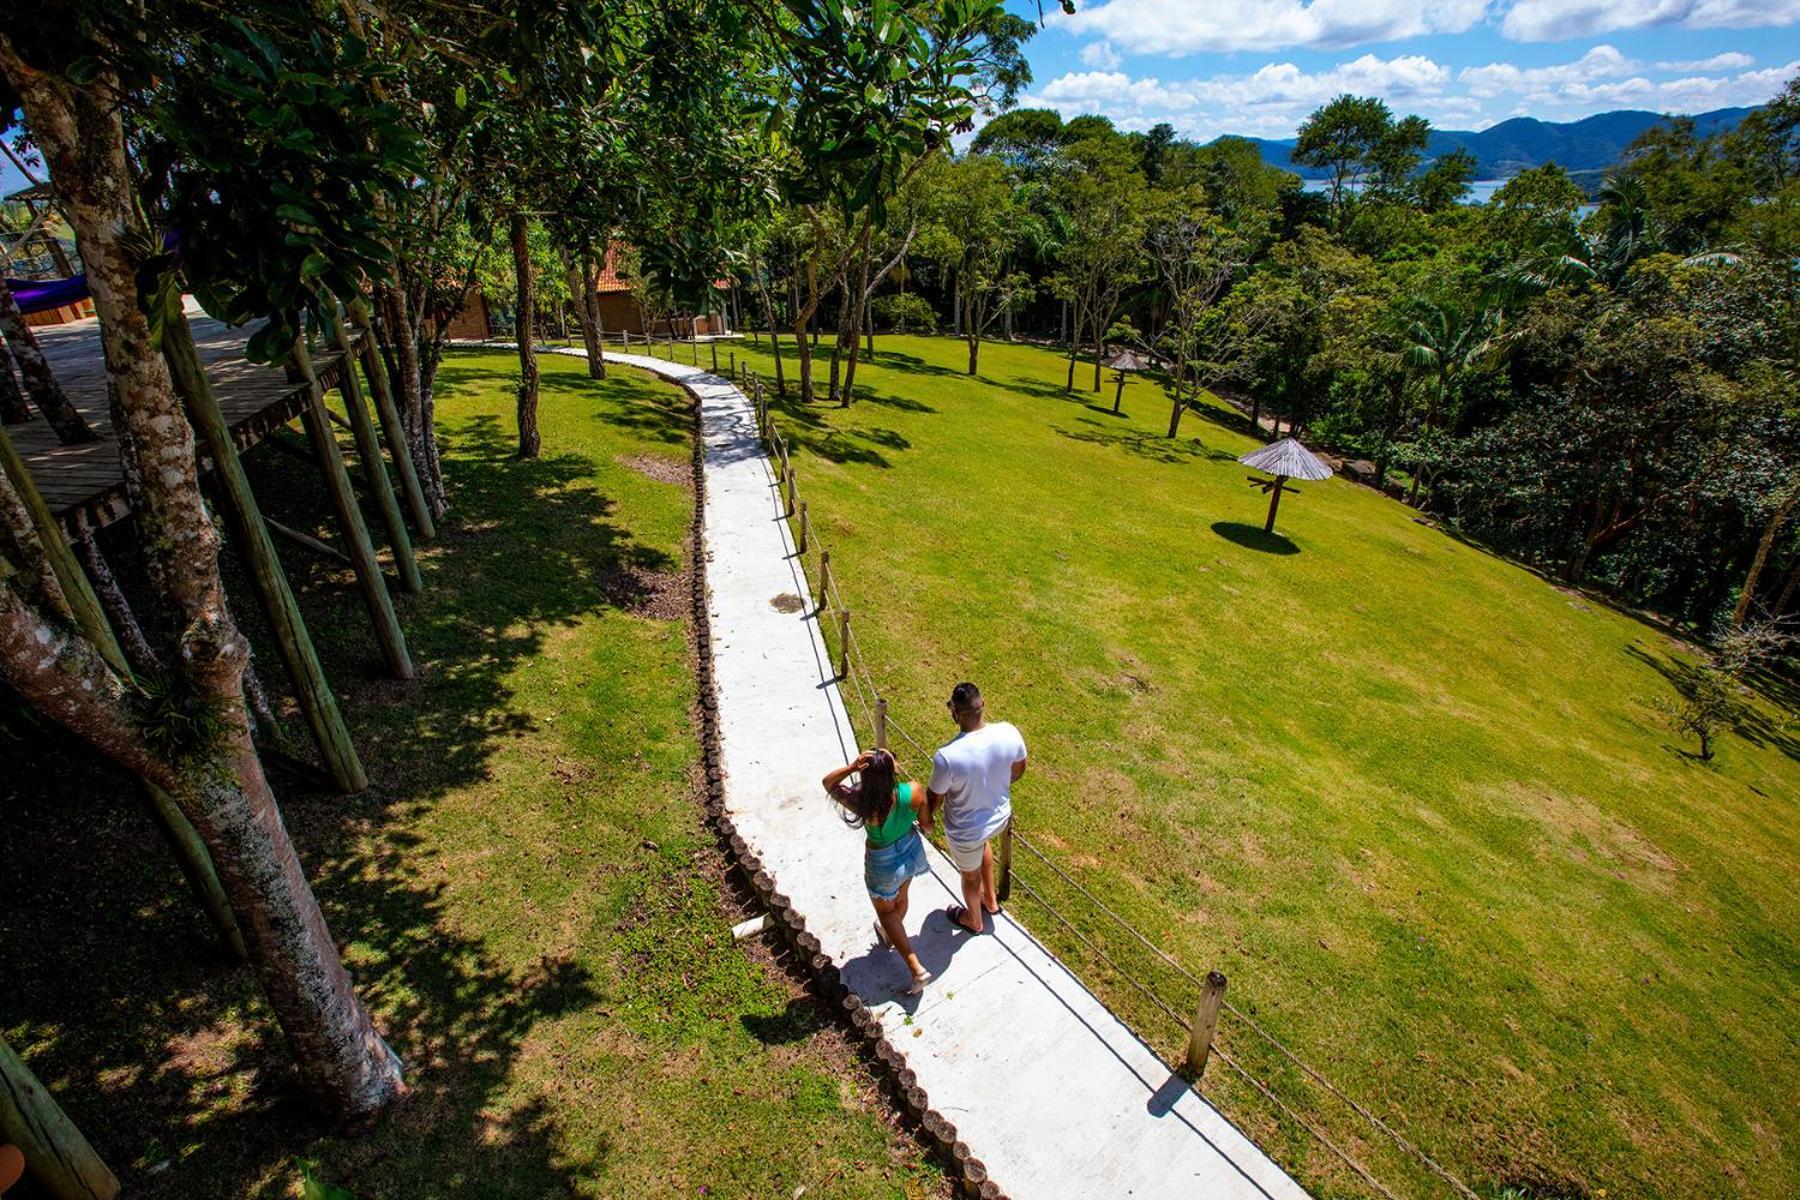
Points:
[[1274, 502]]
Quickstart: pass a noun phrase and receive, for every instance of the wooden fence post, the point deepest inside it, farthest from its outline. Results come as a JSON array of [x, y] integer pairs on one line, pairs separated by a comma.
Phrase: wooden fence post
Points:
[[734, 370], [880, 724], [824, 579], [843, 644], [56, 1154], [1206, 1024], [793, 499], [805, 528], [1003, 884], [715, 356]]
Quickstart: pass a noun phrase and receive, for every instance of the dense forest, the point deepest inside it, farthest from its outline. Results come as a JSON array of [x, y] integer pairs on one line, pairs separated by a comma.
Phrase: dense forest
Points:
[[1604, 390]]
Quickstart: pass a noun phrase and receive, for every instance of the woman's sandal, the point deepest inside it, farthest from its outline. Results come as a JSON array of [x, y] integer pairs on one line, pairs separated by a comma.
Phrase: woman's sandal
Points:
[[918, 983], [956, 912]]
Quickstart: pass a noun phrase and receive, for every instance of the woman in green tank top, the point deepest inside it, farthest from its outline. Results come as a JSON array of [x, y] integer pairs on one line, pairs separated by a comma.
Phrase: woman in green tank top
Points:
[[893, 853]]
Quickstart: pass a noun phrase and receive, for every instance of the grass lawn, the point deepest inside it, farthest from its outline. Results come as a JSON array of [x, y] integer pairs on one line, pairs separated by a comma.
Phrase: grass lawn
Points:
[[1416, 802], [528, 898]]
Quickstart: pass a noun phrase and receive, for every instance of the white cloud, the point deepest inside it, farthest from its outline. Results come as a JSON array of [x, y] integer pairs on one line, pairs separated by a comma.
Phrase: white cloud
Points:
[[1100, 55], [1178, 27], [1731, 60], [1554, 20], [1274, 99]]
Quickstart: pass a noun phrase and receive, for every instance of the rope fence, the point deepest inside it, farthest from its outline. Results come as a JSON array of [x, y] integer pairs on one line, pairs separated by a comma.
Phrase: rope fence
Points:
[[1200, 1024]]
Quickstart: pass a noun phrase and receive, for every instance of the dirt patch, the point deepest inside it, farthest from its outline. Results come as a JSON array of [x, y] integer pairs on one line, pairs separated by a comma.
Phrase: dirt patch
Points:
[[661, 595], [787, 602], [663, 470]]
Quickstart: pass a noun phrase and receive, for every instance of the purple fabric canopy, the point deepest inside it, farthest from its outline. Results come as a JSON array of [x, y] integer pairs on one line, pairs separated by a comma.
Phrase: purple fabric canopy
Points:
[[41, 295]]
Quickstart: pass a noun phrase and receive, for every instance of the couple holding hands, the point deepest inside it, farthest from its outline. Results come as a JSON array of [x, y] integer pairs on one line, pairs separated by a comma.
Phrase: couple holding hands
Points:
[[971, 784]]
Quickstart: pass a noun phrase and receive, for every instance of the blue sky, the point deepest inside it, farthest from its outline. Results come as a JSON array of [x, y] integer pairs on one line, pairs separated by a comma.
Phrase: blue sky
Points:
[[1259, 66]]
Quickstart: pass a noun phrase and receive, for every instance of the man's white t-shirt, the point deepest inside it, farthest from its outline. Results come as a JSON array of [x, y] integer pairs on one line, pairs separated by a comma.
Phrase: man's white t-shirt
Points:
[[974, 775]]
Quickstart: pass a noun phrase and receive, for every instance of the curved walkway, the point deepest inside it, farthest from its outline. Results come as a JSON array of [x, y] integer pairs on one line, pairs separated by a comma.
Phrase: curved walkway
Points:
[[1048, 1089]]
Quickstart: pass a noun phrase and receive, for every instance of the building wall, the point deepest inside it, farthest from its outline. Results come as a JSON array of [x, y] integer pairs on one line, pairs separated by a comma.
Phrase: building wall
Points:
[[471, 322]]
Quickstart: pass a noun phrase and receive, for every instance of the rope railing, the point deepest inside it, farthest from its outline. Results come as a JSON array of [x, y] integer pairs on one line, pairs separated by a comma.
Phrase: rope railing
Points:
[[853, 669]]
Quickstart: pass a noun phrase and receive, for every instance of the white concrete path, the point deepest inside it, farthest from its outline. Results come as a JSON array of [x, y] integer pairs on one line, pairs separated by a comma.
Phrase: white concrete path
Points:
[[1050, 1091]]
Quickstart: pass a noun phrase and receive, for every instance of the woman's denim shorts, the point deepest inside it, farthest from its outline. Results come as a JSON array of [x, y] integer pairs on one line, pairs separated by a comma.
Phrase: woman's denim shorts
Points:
[[886, 869]]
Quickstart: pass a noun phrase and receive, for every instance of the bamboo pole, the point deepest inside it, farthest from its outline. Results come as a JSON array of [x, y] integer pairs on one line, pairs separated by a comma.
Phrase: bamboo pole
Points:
[[90, 616], [1206, 1025], [392, 428], [369, 450], [308, 542], [56, 1155], [311, 689], [350, 519]]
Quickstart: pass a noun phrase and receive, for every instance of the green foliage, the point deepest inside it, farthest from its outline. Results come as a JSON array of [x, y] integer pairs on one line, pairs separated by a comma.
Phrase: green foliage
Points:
[[178, 724], [314, 1188], [905, 312]]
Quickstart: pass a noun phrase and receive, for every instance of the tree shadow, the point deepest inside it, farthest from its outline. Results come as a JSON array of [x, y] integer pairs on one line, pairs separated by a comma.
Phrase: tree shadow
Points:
[[808, 428], [797, 1022], [1144, 443], [163, 1053], [1746, 720], [1253, 537], [896, 360], [868, 395]]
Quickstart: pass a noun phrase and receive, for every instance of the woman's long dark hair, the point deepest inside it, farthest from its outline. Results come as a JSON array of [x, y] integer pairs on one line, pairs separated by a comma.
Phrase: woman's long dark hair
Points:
[[870, 805]]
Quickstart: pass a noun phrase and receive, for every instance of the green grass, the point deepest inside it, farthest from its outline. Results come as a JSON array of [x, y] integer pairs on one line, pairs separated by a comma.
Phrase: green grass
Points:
[[528, 898], [1417, 803]]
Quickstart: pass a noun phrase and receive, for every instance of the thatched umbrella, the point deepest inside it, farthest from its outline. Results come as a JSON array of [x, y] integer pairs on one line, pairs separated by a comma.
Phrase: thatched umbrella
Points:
[[1286, 459], [1122, 361]]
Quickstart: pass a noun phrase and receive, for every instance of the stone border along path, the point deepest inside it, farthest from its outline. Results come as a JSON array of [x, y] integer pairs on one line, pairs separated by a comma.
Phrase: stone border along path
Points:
[[1013, 1067]]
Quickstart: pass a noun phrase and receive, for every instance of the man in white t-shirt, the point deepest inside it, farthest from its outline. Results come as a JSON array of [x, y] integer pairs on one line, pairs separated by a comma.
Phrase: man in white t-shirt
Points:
[[971, 781]]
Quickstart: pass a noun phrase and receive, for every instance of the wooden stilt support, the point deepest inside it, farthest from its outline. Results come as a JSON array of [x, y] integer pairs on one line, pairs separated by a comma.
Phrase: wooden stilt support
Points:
[[393, 431], [197, 865], [273, 592], [84, 604], [369, 450], [350, 520], [308, 542], [56, 1155]]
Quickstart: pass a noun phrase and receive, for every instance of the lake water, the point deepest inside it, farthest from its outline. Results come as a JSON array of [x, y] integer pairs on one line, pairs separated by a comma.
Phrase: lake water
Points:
[[1480, 190]]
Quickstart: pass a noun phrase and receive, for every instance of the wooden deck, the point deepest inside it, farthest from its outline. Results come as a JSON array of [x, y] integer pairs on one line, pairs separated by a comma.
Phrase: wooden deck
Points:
[[85, 485]]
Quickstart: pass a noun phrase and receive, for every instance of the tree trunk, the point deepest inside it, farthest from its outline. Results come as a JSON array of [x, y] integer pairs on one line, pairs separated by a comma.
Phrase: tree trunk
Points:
[[1787, 590], [13, 409], [1783, 509], [575, 278], [1074, 349], [219, 782], [590, 277], [40, 381], [774, 339], [530, 443], [406, 380]]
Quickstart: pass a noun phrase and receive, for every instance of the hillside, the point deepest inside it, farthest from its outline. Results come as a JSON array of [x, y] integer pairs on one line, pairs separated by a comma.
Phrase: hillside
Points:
[[1590, 144], [1420, 806]]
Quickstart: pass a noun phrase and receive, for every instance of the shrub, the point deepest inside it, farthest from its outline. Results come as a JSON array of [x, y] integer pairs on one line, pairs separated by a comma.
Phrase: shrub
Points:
[[906, 312]]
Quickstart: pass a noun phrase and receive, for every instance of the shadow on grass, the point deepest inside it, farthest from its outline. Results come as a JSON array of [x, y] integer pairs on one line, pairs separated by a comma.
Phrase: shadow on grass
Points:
[[798, 1021], [1254, 537], [164, 1054], [1144, 443], [808, 428], [895, 360], [1746, 720]]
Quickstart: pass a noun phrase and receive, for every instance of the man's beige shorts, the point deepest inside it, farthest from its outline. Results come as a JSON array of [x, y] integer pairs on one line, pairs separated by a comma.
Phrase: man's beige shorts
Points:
[[967, 858]]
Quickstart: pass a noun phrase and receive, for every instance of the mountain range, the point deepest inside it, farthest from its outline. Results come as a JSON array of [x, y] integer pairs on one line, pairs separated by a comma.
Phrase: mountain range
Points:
[[1592, 144]]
